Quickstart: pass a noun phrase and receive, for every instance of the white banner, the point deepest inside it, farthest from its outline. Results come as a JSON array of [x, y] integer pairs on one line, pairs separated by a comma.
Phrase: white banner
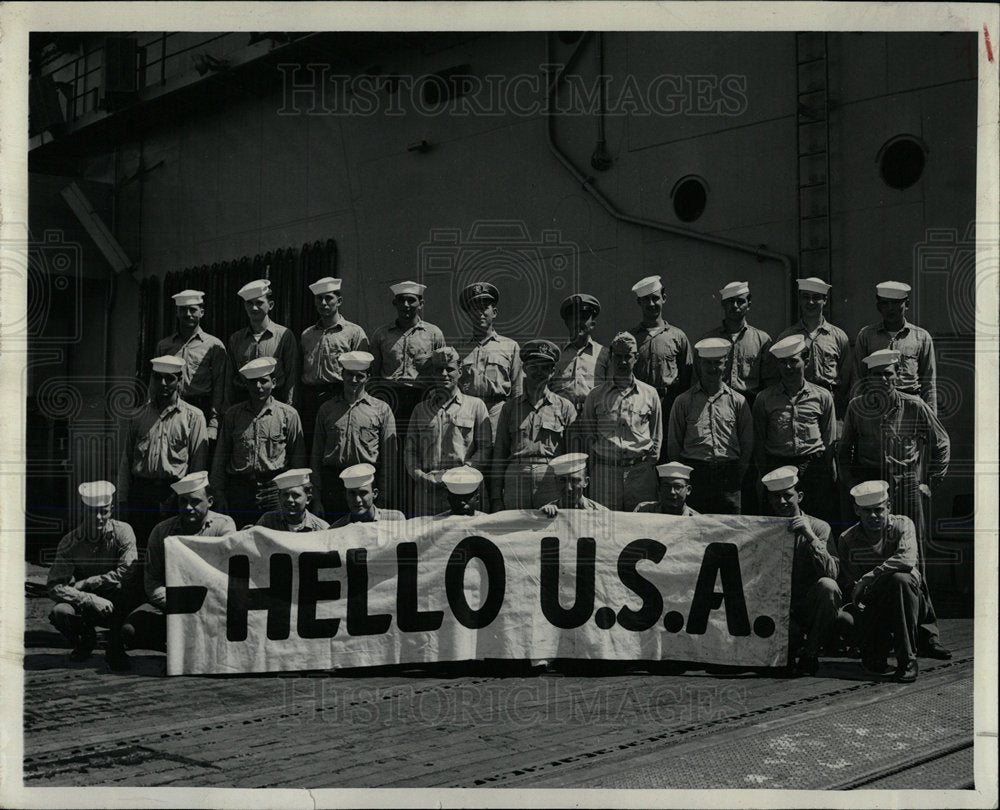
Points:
[[516, 585]]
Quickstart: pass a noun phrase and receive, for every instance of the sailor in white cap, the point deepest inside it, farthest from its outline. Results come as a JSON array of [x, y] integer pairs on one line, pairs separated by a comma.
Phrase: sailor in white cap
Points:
[[815, 595], [295, 491], [583, 362], [880, 571], [711, 431], [917, 372], [491, 363], [90, 562], [260, 438], [829, 359], [748, 343], [463, 485], [663, 351], [402, 350], [140, 620], [795, 425], [572, 481], [262, 337], [447, 429], [896, 437], [533, 428], [359, 484], [322, 344], [203, 379], [674, 488], [621, 427], [353, 427], [164, 441]]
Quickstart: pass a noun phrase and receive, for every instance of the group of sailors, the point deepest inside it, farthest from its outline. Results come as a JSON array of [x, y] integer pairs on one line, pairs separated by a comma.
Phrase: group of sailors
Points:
[[339, 427]]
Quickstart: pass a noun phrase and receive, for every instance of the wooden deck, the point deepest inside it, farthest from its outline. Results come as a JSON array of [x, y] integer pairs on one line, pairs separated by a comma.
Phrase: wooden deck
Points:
[[87, 726]]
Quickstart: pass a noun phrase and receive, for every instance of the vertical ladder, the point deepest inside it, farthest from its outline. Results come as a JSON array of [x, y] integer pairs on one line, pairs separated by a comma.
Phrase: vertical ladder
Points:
[[813, 119]]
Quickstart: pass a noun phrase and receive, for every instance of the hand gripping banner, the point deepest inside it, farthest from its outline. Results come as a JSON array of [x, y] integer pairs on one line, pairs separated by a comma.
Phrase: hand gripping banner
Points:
[[515, 585]]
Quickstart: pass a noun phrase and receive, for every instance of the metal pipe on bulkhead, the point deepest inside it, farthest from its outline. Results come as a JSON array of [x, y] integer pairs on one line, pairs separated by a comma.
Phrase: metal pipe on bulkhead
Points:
[[588, 183]]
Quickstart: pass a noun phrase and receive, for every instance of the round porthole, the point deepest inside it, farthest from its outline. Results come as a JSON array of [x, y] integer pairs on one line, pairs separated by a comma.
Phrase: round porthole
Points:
[[690, 197], [901, 161]]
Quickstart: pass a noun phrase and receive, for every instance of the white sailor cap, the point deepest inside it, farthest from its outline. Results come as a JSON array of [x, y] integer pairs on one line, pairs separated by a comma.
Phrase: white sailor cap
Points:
[[255, 289], [674, 469], [647, 286], [259, 367], [870, 493], [883, 357], [360, 475], [788, 347], [356, 361], [462, 480], [407, 288], [813, 285], [568, 463], [781, 479], [188, 298], [713, 347], [292, 478], [191, 482], [96, 493], [734, 288], [327, 284], [892, 289], [167, 364]]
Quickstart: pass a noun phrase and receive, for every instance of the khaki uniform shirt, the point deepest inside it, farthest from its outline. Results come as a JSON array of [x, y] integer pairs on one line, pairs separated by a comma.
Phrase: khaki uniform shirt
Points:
[[743, 363], [904, 438], [154, 572], [623, 423], [377, 514], [363, 432], [917, 364], [491, 370], [275, 341], [276, 520], [713, 428], [449, 435], [258, 444], [322, 347], [400, 354], [793, 425], [97, 565], [579, 370], [164, 445], [895, 551], [664, 357], [204, 372]]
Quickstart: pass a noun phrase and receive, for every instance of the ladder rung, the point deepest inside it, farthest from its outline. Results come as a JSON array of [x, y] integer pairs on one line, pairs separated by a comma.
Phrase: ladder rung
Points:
[[814, 249], [817, 184], [814, 216], [813, 154]]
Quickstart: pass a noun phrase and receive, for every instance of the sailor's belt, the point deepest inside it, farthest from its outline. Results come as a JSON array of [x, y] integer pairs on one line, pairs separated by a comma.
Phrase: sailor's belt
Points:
[[620, 462]]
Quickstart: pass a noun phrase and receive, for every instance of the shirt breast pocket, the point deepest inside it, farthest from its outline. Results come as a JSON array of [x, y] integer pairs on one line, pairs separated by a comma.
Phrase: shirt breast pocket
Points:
[[497, 379], [908, 361], [637, 421], [368, 436], [178, 445], [552, 425], [464, 425]]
